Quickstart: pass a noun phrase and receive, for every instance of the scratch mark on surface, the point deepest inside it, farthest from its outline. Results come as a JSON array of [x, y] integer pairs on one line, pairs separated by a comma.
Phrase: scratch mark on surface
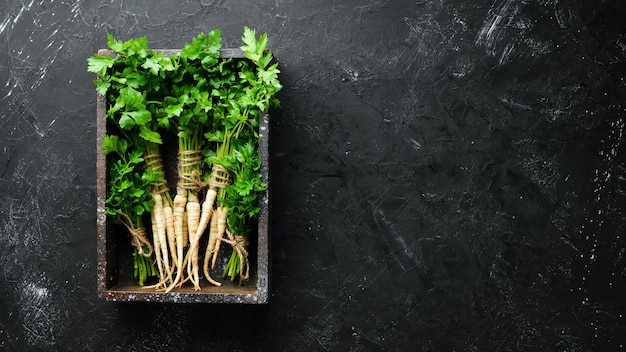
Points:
[[415, 144], [506, 53], [425, 34], [514, 104], [14, 18], [395, 242], [4, 24], [558, 15], [489, 32]]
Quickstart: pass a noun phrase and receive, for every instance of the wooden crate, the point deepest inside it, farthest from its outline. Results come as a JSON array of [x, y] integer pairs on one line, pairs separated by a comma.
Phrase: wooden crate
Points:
[[115, 280]]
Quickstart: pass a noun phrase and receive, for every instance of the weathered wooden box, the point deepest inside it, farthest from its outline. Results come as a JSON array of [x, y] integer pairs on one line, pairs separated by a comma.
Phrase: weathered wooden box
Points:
[[115, 280]]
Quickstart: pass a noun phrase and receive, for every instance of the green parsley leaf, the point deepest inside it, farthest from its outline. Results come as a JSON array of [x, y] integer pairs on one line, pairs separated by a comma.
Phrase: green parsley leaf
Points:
[[113, 44], [98, 64], [149, 135], [132, 98], [113, 144], [102, 86], [126, 121], [141, 117], [153, 64]]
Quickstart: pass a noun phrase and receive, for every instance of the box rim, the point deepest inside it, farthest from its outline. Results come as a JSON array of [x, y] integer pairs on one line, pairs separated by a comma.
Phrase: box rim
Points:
[[260, 295]]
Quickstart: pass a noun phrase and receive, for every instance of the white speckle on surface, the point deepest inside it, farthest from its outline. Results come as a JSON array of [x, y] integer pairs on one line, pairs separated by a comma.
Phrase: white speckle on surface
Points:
[[352, 75]]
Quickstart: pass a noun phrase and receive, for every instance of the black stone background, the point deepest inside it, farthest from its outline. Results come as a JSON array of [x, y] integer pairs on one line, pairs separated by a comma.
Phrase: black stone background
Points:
[[446, 176]]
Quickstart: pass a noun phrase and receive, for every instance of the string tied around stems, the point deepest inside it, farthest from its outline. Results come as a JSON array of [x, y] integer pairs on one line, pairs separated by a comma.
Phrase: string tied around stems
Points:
[[188, 176], [238, 242], [138, 237], [220, 177], [154, 162]]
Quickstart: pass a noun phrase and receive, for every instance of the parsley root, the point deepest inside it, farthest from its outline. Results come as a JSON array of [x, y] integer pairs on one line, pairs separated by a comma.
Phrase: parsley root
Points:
[[193, 219], [222, 214], [209, 250], [161, 225], [179, 218], [171, 235], [192, 261]]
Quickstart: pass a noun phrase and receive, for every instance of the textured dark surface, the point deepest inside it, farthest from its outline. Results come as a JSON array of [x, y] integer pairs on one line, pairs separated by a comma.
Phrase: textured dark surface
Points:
[[446, 176]]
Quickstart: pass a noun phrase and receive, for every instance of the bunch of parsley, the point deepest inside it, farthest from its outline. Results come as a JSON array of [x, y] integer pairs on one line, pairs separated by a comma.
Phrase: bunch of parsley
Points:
[[250, 93], [131, 81]]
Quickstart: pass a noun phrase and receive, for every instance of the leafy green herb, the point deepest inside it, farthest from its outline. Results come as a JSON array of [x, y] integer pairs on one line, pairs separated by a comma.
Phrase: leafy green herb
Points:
[[128, 199], [242, 195], [130, 179], [252, 92], [131, 80]]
